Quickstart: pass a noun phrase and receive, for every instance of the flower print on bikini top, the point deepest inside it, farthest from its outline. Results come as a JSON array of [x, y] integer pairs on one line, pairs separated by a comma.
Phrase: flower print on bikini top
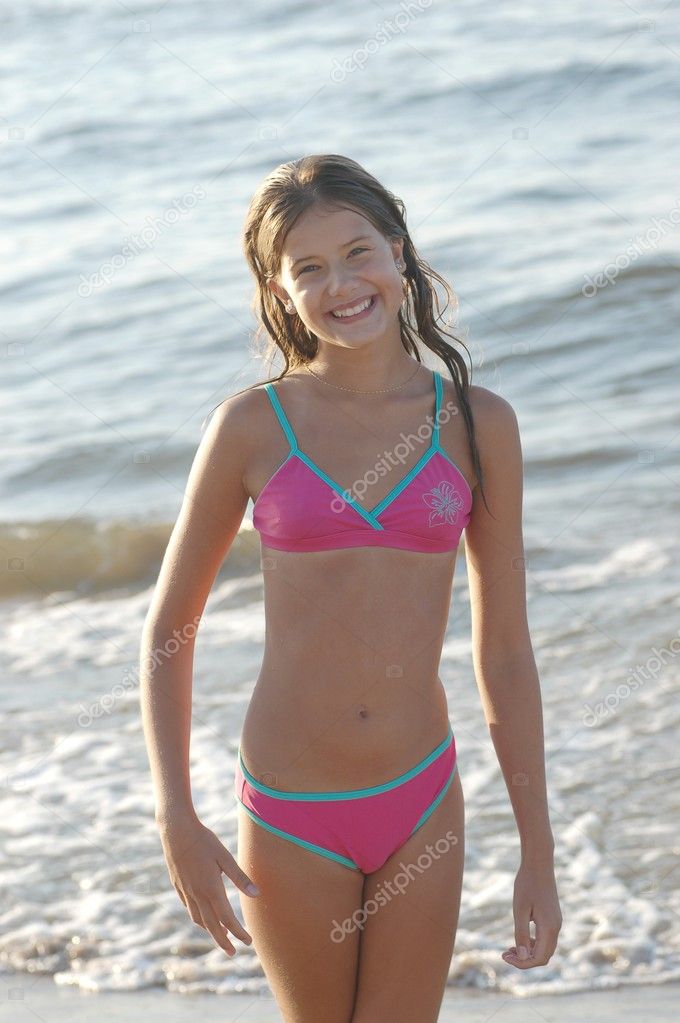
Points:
[[444, 502]]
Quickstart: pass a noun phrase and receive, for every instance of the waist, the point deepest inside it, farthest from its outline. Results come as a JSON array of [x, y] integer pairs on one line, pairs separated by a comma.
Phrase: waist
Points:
[[337, 740], [442, 755]]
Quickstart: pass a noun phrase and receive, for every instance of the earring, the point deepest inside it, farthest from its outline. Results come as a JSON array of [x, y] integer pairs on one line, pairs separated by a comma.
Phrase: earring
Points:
[[401, 265], [289, 306]]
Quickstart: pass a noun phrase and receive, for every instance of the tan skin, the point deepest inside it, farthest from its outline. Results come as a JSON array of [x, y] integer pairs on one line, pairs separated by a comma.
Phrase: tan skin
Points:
[[348, 693]]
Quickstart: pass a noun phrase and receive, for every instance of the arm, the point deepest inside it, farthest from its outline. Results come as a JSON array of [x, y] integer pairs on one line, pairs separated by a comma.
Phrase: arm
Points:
[[212, 511], [503, 657]]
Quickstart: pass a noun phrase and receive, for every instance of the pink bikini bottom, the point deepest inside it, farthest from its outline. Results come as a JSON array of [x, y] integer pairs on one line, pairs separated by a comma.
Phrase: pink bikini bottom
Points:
[[360, 828]]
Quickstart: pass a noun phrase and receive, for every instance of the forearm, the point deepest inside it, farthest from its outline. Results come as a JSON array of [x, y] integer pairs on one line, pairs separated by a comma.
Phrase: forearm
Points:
[[165, 694], [511, 699]]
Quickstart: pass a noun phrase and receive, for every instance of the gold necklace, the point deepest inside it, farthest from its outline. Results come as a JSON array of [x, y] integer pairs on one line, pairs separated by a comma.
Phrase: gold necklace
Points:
[[382, 390]]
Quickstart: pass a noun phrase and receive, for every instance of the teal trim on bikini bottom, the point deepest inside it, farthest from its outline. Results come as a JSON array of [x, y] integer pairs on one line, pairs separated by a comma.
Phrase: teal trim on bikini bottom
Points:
[[299, 841], [319, 849], [437, 800], [373, 790]]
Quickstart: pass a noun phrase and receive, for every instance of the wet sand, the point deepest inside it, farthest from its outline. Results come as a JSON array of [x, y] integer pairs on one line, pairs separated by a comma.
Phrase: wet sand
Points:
[[27, 997]]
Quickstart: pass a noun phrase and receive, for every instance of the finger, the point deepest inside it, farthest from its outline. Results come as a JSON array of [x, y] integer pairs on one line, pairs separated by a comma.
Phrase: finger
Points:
[[214, 927], [194, 911], [230, 867], [224, 912], [546, 943], [181, 895], [513, 958], [542, 953], [522, 933]]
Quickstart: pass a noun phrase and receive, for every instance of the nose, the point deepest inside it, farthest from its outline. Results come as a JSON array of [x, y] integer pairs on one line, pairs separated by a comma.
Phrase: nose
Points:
[[339, 281]]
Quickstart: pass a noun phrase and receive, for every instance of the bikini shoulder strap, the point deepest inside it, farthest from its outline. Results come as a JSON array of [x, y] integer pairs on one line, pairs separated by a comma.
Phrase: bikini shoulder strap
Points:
[[437, 406], [281, 416]]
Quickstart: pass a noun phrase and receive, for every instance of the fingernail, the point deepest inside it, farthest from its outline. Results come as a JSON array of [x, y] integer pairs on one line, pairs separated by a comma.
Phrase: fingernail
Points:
[[252, 889], [522, 952]]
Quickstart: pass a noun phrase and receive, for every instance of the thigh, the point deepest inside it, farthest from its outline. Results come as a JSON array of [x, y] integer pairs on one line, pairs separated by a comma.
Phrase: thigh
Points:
[[411, 908], [309, 961]]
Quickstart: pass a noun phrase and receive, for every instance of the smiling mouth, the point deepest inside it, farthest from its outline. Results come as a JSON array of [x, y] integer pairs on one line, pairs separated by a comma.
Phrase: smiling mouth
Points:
[[357, 316]]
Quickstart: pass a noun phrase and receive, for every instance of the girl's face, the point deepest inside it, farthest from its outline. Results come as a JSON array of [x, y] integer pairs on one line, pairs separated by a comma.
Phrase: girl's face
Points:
[[336, 261]]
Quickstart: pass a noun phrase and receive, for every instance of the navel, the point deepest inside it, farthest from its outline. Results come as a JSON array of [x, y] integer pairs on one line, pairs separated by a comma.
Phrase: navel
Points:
[[362, 712]]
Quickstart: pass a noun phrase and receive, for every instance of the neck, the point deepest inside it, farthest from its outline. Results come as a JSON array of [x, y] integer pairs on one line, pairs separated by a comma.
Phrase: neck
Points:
[[362, 375]]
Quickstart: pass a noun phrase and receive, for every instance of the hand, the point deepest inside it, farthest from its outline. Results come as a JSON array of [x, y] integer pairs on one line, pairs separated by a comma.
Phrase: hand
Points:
[[196, 860], [535, 898]]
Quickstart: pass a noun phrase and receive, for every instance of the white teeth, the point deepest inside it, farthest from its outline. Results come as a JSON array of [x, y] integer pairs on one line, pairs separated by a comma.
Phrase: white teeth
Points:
[[355, 310]]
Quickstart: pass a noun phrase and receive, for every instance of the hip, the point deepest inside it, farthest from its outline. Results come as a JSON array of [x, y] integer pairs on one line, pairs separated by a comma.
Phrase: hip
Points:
[[307, 739]]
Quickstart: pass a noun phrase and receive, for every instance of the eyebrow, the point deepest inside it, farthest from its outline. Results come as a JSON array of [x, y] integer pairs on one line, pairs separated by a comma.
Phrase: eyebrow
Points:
[[303, 258]]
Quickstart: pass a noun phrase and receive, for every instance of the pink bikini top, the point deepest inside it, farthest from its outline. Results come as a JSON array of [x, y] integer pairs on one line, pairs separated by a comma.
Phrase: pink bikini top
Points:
[[300, 508]]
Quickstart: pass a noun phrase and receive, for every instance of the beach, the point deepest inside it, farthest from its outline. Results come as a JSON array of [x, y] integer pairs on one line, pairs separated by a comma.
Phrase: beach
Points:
[[531, 147], [56, 1004]]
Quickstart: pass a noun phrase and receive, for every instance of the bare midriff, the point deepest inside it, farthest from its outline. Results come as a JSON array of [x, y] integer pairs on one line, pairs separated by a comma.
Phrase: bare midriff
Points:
[[348, 694]]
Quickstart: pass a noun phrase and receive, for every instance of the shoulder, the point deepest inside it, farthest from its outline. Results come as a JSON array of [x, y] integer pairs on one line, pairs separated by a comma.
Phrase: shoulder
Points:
[[246, 412], [492, 414], [238, 415], [496, 434], [499, 444], [496, 431]]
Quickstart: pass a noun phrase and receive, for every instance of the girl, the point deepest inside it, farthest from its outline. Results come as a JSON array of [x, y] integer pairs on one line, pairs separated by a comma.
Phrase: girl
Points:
[[364, 467]]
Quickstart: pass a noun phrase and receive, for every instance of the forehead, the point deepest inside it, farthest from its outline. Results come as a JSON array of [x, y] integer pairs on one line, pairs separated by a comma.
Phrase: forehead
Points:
[[319, 230]]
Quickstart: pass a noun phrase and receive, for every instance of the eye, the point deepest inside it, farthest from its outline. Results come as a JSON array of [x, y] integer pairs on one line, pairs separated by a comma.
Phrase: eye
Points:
[[312, 266]]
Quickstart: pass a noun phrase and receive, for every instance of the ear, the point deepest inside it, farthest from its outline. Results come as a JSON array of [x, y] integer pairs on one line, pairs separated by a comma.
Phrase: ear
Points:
[[397, 248], [278, 290]]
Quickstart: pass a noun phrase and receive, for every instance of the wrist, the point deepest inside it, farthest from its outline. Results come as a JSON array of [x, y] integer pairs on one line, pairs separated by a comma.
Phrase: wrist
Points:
[[168, 815], [540, 850]]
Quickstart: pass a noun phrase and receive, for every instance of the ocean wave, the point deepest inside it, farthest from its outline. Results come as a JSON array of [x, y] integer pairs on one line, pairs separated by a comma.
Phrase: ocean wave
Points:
[[85, 556]]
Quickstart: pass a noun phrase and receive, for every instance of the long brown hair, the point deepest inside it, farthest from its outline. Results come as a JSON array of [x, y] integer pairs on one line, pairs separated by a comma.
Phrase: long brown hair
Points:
[[334, 181]]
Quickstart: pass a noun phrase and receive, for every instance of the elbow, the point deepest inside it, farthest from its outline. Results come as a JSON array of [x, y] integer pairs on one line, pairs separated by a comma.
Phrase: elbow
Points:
[[505, 655], [163, 640]]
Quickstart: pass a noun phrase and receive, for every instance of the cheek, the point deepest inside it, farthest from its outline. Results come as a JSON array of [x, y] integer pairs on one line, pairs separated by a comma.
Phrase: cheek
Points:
[[309, 283], [383, 278], [392, 286], [304, 292]]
